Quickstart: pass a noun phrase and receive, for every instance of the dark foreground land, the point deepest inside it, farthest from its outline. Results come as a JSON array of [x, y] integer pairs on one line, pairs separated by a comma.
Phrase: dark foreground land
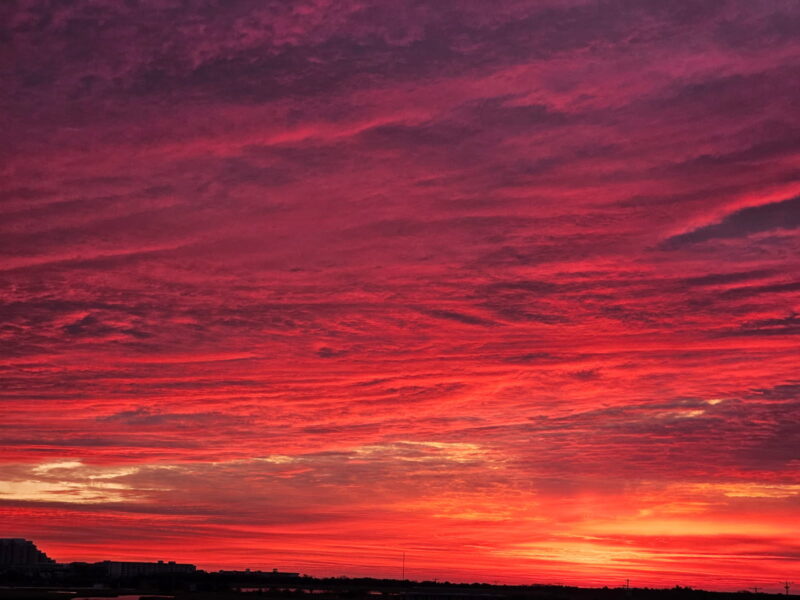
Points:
[[252, 586]]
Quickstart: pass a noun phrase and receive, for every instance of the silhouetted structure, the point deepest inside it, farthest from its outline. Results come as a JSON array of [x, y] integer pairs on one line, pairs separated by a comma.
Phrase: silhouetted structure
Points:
[[120, 569], [250, 572], [23, 567], [19, 552]]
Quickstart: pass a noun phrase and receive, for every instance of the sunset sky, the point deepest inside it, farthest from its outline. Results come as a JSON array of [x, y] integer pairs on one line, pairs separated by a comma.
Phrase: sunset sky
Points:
[[512, 287]]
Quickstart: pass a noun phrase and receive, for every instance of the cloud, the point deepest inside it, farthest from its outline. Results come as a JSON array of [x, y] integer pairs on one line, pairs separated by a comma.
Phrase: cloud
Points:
[[459, 317], [783, 215], [366, 271], [720, 279]]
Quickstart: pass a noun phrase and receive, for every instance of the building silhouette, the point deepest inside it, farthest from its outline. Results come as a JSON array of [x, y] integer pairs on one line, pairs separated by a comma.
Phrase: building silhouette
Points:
[[120, 569], [19, 552], [254, 573]]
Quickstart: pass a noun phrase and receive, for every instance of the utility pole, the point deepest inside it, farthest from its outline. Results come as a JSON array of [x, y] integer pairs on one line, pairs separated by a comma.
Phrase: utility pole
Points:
[[403, 570], [755, 589], [786, 585]]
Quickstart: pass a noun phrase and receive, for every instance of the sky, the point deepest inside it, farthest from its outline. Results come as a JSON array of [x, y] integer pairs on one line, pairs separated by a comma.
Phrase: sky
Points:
[[510, 287]]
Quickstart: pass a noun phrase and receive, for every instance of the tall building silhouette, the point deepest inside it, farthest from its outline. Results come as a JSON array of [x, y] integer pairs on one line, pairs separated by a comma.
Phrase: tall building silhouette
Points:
[[21, 552]]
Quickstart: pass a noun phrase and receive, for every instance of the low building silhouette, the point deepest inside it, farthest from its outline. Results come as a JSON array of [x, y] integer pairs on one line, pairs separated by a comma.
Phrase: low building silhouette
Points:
[[254, 573], [121, 569]]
